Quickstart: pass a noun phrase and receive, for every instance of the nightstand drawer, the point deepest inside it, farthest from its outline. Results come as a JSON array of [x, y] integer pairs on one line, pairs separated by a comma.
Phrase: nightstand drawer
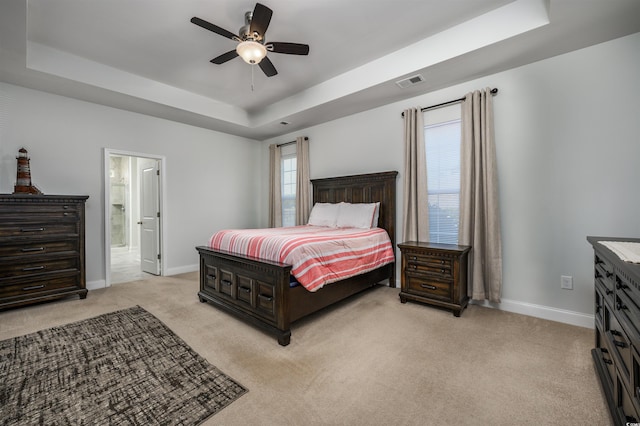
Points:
[[429, 265], [429, 287]]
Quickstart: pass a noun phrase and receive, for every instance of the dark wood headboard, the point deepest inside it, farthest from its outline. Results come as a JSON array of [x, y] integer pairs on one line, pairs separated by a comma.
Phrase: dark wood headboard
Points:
[[366, 188]]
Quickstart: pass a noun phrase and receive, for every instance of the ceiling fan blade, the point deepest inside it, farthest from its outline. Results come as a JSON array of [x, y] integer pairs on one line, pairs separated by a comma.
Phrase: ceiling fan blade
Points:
[[288, 48], [224, 57], [267, 67], [216, 29], [260, 20]]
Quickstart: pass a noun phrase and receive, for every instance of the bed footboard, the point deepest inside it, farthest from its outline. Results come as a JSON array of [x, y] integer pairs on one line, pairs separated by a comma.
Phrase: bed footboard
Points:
[[253, 290]]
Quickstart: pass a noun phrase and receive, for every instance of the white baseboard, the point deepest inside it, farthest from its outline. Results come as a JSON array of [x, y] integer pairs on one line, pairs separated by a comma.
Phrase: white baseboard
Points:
[[182, 269], [96, 285], [524, 308], [540, 311]]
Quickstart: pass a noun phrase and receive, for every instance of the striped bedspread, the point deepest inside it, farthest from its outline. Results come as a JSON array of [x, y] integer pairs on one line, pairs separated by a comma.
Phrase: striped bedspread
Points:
[[319, 255]]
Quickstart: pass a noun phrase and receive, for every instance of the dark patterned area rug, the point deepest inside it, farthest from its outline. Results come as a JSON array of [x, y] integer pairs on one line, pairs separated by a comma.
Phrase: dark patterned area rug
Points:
[[125, 367]]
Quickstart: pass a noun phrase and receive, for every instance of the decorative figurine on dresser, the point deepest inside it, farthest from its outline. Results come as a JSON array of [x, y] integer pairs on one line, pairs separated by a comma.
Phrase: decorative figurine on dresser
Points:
[[435, 274], [42, 243], [617, 324]]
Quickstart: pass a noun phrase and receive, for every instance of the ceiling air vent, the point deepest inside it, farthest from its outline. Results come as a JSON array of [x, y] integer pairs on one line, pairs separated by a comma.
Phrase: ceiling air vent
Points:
[[410, 81]]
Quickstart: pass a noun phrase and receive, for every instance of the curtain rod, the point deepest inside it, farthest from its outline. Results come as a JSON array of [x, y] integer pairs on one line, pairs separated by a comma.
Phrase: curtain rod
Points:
[[493, 91], [289, 143]]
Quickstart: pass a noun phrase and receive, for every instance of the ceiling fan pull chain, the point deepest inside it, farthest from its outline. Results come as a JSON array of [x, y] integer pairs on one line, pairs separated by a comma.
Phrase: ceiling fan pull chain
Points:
[[252, 68]]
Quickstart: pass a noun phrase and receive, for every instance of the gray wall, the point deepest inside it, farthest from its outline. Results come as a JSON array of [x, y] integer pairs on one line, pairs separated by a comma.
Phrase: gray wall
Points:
[[568, 152], [211, 177]]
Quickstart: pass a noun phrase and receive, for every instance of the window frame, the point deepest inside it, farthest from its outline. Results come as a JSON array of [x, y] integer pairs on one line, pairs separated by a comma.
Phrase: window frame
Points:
[[447, 116]]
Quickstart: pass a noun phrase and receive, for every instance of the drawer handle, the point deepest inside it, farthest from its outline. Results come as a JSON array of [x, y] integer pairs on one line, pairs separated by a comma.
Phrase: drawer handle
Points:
[[620, 344], [211, 276], [245, 289], [620, 306], [597, 275], [442, 262], [608, 274], [33, 268], [599, 261], [226, 282], [265, 297], [607, 361], [607, 291], [31, 229], [414, 258], [598, 307], [28, 249], [33, 287], [616, 333], [442, 271], [430, 287]]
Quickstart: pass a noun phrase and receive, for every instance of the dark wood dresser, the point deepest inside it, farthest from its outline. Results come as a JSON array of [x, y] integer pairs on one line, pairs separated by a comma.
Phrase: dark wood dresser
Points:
[[617, 324], [435, 274], [42, 248]]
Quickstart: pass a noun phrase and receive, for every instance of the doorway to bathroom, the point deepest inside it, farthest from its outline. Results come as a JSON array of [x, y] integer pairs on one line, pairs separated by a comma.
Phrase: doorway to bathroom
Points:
[[133, 216]]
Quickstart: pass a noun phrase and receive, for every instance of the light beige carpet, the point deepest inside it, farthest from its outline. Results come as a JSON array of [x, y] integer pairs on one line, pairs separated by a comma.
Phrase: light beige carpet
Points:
[[368, 361]]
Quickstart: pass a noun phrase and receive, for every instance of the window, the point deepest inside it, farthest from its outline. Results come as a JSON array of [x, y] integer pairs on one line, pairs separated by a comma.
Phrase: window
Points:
[[288, 170], [442, 134]]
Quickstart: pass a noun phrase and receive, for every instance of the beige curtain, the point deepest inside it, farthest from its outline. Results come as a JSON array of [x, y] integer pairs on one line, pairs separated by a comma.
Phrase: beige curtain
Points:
[[479, 206], [415, 207], [303, 185], [275, 196]]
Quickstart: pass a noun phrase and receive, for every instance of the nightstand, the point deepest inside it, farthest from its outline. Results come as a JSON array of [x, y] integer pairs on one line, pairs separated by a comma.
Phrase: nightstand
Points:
[[435, 274]]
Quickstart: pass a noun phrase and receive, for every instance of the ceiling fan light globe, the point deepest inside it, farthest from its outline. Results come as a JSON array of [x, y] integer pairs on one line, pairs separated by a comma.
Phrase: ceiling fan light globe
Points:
[[251, 52]]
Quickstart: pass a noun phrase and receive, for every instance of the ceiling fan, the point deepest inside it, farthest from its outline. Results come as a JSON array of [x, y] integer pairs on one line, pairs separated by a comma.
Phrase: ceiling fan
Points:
[[252, 47]]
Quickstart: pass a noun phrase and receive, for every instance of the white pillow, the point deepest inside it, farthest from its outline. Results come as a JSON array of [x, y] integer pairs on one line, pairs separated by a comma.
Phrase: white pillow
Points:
[[359, 215], [324, 214]]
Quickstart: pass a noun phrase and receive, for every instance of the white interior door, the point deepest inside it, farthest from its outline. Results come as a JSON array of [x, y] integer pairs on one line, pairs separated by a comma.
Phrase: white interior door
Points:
[[150, 217]]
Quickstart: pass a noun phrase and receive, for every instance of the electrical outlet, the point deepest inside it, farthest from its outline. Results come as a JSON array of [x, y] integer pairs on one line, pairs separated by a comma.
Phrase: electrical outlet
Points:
[[566, 282]]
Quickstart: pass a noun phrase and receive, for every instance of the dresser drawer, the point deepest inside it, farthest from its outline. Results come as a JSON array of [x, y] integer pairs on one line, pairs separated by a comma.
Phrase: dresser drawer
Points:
[[604, 272], [607, 359], [40, 286], [36, 248], [37, 229], [620, 346], [629, 315], [37, 265], [432, 288], [44, 211]]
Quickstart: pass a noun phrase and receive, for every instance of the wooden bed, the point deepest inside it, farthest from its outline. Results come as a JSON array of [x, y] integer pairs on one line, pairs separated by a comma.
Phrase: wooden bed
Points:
[[258, 291]]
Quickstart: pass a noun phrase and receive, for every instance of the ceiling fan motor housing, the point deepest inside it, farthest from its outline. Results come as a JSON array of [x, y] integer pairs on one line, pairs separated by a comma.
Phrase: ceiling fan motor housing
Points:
[[245, 31]]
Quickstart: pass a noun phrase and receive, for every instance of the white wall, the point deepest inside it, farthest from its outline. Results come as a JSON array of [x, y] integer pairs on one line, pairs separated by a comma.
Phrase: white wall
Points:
[[568, 149], [211, 177]]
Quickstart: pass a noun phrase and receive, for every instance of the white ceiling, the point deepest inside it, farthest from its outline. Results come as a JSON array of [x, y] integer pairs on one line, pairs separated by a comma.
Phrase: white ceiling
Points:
[[145, 55]]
